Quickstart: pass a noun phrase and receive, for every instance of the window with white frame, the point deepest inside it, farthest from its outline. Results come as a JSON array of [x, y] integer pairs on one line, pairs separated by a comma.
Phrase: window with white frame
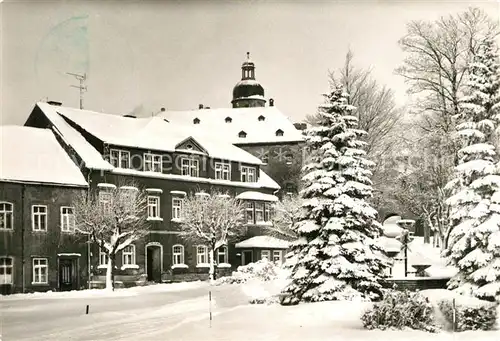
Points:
[[249, 212], [189, 167], [277, 256], [153, 206], [6, 216], [201, 254], [40, 270], [128, 255], [176, 208], [248, 174], [6, 270], [119, 158], [39, 217], [222, 171], [267, 211], [67, 219], [265, 254], [152, 163], [103, 258], [105, 199], [259, 212], [177, 254], [222, 255]]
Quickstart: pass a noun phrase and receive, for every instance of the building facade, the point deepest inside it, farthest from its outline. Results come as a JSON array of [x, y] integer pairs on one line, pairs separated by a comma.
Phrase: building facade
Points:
[[159, 158], [38, 183], [263, 131]]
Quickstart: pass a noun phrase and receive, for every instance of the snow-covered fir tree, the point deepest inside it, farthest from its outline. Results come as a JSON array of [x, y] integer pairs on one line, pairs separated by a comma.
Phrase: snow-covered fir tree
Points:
[[474, 241], [335, 255]]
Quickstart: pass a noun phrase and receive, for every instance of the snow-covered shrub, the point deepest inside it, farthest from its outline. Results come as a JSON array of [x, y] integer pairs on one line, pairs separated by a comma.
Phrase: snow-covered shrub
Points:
[[469, 316], [263, 270], [265, 300], [399, 310]]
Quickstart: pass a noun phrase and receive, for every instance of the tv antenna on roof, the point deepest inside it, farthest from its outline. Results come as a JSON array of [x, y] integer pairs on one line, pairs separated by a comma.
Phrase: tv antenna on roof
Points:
[[82, 87]]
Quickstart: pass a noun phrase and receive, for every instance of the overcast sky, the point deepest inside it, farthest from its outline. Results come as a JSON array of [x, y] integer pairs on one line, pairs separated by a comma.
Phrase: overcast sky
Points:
[[147, 55]]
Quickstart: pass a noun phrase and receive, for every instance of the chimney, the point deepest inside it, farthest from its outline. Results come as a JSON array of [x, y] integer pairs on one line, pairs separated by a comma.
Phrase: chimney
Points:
[[271, 102], [58, 104], [200, 106]]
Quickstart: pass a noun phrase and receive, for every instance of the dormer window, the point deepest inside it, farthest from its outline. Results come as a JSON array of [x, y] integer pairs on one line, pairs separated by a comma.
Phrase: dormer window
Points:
[[279, 132], [261, 118], [196, 120], [229, 119], [242, 134]]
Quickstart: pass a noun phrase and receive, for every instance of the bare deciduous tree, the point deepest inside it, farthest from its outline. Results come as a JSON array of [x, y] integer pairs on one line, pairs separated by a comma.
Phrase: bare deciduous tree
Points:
[[113, 218], [435, 67], [285, 215], [376, 108], [212, 219]]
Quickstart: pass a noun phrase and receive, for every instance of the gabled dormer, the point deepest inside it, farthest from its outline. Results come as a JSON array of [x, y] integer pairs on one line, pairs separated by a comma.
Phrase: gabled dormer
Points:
[[190, 145]]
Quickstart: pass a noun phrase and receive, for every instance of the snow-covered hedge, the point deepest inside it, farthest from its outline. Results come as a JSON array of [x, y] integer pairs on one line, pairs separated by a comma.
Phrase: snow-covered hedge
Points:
[[469, 316], [263, 270], [400, 310]]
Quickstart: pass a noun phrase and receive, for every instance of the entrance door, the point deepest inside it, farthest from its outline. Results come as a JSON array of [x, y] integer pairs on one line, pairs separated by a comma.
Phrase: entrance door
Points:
[[67, 275], [247, 257], [153, 254]]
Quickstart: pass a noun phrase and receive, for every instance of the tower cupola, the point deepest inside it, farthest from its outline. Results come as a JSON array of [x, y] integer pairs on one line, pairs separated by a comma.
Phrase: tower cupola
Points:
[[248, 92]]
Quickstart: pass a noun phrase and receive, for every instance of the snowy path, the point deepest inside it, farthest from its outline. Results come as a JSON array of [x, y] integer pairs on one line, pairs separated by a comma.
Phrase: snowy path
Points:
[[158, 314]]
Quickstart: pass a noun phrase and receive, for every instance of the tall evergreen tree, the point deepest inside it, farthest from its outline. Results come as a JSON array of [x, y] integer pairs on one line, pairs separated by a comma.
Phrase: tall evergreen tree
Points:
[[474, 243], [336, 256]]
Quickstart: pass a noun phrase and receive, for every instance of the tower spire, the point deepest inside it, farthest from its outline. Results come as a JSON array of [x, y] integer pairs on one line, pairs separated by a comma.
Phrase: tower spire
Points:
[[248, 56]]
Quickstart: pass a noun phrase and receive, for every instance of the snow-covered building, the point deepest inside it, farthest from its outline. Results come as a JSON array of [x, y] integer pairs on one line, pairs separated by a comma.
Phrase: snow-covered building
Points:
[[100, 151], [264, 131], [38, 182]]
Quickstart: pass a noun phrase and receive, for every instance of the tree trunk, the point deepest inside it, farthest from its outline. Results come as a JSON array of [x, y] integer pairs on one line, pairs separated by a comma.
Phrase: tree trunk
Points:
[[110, 273], [427, 233], [211, 273]]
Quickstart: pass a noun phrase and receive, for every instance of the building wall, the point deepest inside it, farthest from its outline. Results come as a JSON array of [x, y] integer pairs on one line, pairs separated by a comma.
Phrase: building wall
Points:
[[283, 162], [23, 244], [165, 232]]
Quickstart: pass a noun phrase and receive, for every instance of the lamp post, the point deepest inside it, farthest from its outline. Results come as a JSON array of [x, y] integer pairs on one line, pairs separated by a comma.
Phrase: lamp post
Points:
[[407, 226]]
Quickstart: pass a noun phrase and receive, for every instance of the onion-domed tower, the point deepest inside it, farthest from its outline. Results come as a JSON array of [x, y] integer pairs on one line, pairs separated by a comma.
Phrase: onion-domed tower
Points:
[[248, 92]]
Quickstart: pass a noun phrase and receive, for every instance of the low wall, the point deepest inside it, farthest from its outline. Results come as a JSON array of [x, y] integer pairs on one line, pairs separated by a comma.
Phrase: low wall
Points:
[[200, 274], [416, 283]]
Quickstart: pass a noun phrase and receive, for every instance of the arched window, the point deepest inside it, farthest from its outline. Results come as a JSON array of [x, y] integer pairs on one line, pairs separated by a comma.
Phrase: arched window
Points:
[[6, 216], [196, 120], [229, 119], [177, 254], [242, 134], [128, 255], [261, 118], [279, 132], [222, 255], [201, 254]]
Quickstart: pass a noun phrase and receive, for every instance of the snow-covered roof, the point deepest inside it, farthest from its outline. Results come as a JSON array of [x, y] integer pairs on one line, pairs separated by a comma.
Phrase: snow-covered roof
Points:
[[152, 133], [33, 155], [264, 180], [263, 242], [90, 156], [251, 195], [242, 120]]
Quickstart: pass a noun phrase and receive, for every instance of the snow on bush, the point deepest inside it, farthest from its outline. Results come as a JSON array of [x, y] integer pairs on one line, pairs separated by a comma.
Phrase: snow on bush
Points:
[[263, 270], [400, 310], [474, 315]]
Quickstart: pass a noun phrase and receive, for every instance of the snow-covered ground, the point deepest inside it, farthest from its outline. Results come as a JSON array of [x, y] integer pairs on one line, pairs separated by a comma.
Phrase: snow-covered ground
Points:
[[163, 313], [134, 291]]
